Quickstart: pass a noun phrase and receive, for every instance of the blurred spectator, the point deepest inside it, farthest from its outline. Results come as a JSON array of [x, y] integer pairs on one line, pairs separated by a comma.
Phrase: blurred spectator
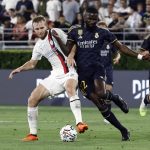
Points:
[[115, 3], [70, 10], [146, 15], [102, 12], [114, 21], [134, 20], [29, 28], [133, 3], [84, 6], [53, 9], [133, 23], [7, 29], [140, 9], [62, 23], [147, 2], [81, 2], [125, 10], [8, 4], [79, 20], [109, 11], [19, 32], [1, 12], [35, 5], [118, 27], [25, 8], [42, 7], [12, 14]]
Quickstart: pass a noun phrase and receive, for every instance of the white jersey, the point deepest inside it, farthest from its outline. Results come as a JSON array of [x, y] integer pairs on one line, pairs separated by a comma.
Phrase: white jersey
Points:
[[54, 55]]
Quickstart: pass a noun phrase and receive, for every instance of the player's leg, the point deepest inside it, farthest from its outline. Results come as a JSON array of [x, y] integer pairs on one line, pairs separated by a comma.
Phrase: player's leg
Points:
[[143, 106], [109, 86], [75, 104], [107, 114], [107, 95], [38, 94], [108, 102]]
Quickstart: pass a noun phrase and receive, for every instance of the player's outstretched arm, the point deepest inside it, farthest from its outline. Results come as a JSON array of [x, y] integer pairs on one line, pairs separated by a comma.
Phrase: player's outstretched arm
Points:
[[27, 66], [123, 48]]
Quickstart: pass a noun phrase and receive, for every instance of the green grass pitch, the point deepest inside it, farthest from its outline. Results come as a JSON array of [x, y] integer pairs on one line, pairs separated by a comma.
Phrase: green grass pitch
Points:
[[13, 127]]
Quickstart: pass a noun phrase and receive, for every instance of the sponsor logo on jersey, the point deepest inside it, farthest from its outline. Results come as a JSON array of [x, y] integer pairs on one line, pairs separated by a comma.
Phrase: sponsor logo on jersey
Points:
[[140, 88], [80, 33], [87, 44]]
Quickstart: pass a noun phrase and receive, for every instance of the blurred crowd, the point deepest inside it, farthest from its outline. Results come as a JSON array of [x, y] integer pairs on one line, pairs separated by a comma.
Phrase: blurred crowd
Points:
[[16, 16]]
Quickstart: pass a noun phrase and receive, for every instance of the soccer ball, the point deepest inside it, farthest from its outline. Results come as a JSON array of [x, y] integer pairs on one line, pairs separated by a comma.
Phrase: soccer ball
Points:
[[68, 133]]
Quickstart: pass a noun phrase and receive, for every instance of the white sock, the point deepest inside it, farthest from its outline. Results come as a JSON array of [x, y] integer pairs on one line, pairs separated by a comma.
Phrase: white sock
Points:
[[32, 115], [75, 106]]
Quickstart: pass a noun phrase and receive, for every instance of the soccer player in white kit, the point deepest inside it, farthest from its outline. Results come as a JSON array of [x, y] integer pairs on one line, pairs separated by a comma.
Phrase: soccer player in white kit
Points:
[[51, 45]]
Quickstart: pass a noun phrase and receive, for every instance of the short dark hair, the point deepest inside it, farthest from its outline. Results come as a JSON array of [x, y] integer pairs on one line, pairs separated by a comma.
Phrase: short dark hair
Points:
[[39, 18], [92, 9]]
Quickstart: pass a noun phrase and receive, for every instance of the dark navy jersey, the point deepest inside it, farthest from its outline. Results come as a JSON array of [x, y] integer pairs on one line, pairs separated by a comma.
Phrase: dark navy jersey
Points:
[[146, 43], [89, 43], [106, 53]]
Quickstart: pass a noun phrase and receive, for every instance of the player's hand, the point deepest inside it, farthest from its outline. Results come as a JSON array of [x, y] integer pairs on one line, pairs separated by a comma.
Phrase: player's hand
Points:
[[117, 58], [70, 62], [14, 72], [116, 61]]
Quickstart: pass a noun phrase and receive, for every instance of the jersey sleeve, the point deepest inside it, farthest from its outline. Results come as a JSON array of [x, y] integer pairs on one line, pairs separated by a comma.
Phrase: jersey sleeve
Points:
[[110, 37], [72, 34], [36, 55], [113, 49]]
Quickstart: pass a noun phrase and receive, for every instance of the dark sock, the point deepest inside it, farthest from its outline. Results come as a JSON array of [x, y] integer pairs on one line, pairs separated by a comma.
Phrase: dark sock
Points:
[[114, 121]]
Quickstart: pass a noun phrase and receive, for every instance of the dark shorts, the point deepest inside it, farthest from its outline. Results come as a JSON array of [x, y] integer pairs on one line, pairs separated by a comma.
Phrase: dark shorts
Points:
[[87, 77], [109, 75]]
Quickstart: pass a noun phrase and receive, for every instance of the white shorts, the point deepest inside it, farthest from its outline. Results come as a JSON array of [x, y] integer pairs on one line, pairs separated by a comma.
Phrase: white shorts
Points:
[[56, 84]]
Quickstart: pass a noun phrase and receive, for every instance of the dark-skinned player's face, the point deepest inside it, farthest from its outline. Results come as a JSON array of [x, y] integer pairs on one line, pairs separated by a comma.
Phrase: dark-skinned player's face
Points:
[[90, 19]]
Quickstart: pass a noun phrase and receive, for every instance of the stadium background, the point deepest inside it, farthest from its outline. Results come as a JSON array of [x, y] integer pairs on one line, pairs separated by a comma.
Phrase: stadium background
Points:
[[127, 19]]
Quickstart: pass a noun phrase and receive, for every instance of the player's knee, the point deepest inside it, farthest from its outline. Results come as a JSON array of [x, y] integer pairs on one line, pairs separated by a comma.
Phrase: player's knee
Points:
[[33, 101], [70, 91], [106, 113], [100, 93]]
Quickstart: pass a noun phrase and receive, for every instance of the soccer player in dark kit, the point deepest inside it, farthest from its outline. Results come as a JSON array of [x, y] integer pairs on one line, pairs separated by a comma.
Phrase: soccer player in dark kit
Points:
[[84, 44]]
